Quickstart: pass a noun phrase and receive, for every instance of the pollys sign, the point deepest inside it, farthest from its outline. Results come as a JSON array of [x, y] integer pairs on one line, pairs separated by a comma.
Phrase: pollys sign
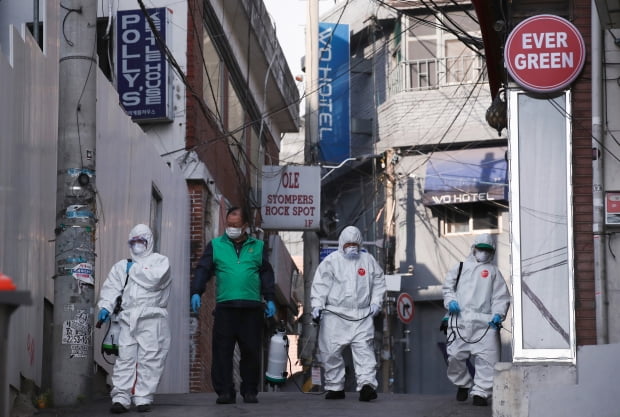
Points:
[[291, 197], [544, 53]]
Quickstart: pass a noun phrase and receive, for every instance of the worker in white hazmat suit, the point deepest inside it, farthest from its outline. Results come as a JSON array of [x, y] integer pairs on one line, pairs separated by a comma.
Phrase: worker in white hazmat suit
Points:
[[143, 282], [477, 298], [347, 292]]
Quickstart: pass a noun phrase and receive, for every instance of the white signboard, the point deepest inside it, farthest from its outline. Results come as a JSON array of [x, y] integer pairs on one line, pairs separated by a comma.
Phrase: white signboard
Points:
[[291, 197]]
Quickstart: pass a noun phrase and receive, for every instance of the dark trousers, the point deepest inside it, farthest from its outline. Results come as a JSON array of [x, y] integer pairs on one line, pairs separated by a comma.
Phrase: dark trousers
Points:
[[244, 327]]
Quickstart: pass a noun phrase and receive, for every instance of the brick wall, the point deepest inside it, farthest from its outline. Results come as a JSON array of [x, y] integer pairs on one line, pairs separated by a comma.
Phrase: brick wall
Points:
[[582, 188], [200, 336], [203, 135], [199, 127]]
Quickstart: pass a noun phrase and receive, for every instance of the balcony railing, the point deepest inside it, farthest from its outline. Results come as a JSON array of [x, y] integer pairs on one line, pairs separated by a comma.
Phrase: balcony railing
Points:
[[426, 74]]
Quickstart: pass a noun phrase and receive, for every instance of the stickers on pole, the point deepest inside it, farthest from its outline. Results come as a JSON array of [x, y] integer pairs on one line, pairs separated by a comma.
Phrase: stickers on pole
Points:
[[83, 272], [77, 332]]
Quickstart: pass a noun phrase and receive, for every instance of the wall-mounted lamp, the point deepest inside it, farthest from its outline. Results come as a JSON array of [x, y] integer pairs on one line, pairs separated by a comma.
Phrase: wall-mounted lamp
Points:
[[497, 113]]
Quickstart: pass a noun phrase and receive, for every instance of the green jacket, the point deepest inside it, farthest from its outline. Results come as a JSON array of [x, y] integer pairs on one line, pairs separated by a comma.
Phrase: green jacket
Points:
[[237, 277], [245, 276]]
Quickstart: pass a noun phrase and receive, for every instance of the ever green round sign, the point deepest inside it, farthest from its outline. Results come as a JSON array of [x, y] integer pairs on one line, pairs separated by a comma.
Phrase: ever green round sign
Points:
[[544, 53]]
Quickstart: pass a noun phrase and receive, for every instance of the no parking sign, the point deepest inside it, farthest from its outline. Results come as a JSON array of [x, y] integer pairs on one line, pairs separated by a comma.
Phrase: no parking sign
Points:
[[404, 308]]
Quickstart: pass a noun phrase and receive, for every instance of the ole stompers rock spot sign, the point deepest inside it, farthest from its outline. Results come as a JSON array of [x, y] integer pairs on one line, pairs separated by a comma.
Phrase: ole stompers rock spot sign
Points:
[[544, 53]]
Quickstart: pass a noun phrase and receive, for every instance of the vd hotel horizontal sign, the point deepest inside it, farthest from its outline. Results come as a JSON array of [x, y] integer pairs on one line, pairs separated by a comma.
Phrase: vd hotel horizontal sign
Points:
[[544, 53]]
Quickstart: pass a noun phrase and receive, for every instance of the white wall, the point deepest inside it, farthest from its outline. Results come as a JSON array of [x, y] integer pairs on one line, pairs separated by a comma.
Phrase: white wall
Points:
[[127, 166], [611, 180], [28, 137]]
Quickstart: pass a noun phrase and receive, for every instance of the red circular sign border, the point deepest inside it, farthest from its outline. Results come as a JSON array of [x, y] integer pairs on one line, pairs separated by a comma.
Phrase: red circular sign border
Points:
[[558, 86], [398, 300]]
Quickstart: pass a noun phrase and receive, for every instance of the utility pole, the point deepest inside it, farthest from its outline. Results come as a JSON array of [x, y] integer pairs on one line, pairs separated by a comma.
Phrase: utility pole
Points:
[[387, 354], [72, 353], [310, 238], [389, 207]]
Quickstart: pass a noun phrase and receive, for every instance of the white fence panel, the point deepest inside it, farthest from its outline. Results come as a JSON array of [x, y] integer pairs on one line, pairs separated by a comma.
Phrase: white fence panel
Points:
[[28, 138]]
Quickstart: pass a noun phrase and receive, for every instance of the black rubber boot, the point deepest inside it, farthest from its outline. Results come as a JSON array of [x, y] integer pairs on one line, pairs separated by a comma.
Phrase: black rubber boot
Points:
[[462, 394], [334, 395], [368, 393], [478, 400]]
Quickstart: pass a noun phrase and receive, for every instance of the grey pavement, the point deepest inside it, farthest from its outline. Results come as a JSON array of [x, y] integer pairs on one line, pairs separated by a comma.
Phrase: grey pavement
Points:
[[289, 404]]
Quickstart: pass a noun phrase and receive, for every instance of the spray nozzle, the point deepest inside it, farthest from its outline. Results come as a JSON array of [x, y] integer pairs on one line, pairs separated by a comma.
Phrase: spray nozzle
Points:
[[117, 305]]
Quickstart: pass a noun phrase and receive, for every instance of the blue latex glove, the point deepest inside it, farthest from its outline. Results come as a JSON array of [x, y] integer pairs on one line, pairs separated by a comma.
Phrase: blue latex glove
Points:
[[270, 310], [453, 307], [104, 315], [496, 322], [195, 303]]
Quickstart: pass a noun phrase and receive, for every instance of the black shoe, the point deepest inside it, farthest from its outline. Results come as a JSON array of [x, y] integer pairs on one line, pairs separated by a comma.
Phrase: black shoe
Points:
[[368, 393], [462, 394], [250, 398], [226, 399], [334, 395], [118, 408], [478, 400], [144, 408]]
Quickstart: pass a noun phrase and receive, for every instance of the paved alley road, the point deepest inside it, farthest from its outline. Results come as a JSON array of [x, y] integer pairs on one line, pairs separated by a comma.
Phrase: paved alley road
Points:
[[290, 404]]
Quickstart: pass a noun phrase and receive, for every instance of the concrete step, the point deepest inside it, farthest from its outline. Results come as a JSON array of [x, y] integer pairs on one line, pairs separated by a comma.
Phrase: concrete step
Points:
[[596, 393]]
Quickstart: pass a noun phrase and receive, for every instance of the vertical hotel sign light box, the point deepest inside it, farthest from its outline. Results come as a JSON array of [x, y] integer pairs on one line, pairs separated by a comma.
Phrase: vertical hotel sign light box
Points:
[[142, 71], [334, 101]]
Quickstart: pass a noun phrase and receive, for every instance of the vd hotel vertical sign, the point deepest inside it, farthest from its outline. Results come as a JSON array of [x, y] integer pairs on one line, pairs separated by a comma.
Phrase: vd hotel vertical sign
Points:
[[142, 71]]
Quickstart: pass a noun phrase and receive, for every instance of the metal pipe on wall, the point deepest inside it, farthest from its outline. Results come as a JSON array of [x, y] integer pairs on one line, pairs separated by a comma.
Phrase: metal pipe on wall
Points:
[[598, 189]]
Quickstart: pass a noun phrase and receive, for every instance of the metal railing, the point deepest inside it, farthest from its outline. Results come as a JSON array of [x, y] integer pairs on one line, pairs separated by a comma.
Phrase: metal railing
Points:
[[426, 74]]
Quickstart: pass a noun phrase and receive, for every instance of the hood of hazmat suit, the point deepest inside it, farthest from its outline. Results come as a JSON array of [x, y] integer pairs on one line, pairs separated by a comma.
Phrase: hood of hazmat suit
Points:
[[142, 231]]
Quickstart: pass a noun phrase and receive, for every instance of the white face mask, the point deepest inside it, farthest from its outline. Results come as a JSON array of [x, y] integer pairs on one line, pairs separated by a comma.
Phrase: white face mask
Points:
[[351, 252], [234, 232], [482, 255], [138, 248]]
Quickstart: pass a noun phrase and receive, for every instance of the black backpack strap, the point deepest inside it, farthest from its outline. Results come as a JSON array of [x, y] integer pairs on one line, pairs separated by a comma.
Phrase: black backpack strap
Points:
[[130, 262], [119, 299], [458, 276], [444, 321]]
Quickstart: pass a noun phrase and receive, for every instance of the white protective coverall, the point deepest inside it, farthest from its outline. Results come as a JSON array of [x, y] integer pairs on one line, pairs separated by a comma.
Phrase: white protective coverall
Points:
[[481, 293], [144, 337], [347, 287]]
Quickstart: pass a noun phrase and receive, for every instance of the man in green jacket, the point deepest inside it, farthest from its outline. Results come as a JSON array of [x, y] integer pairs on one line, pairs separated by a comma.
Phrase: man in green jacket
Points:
[[244, 277]]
